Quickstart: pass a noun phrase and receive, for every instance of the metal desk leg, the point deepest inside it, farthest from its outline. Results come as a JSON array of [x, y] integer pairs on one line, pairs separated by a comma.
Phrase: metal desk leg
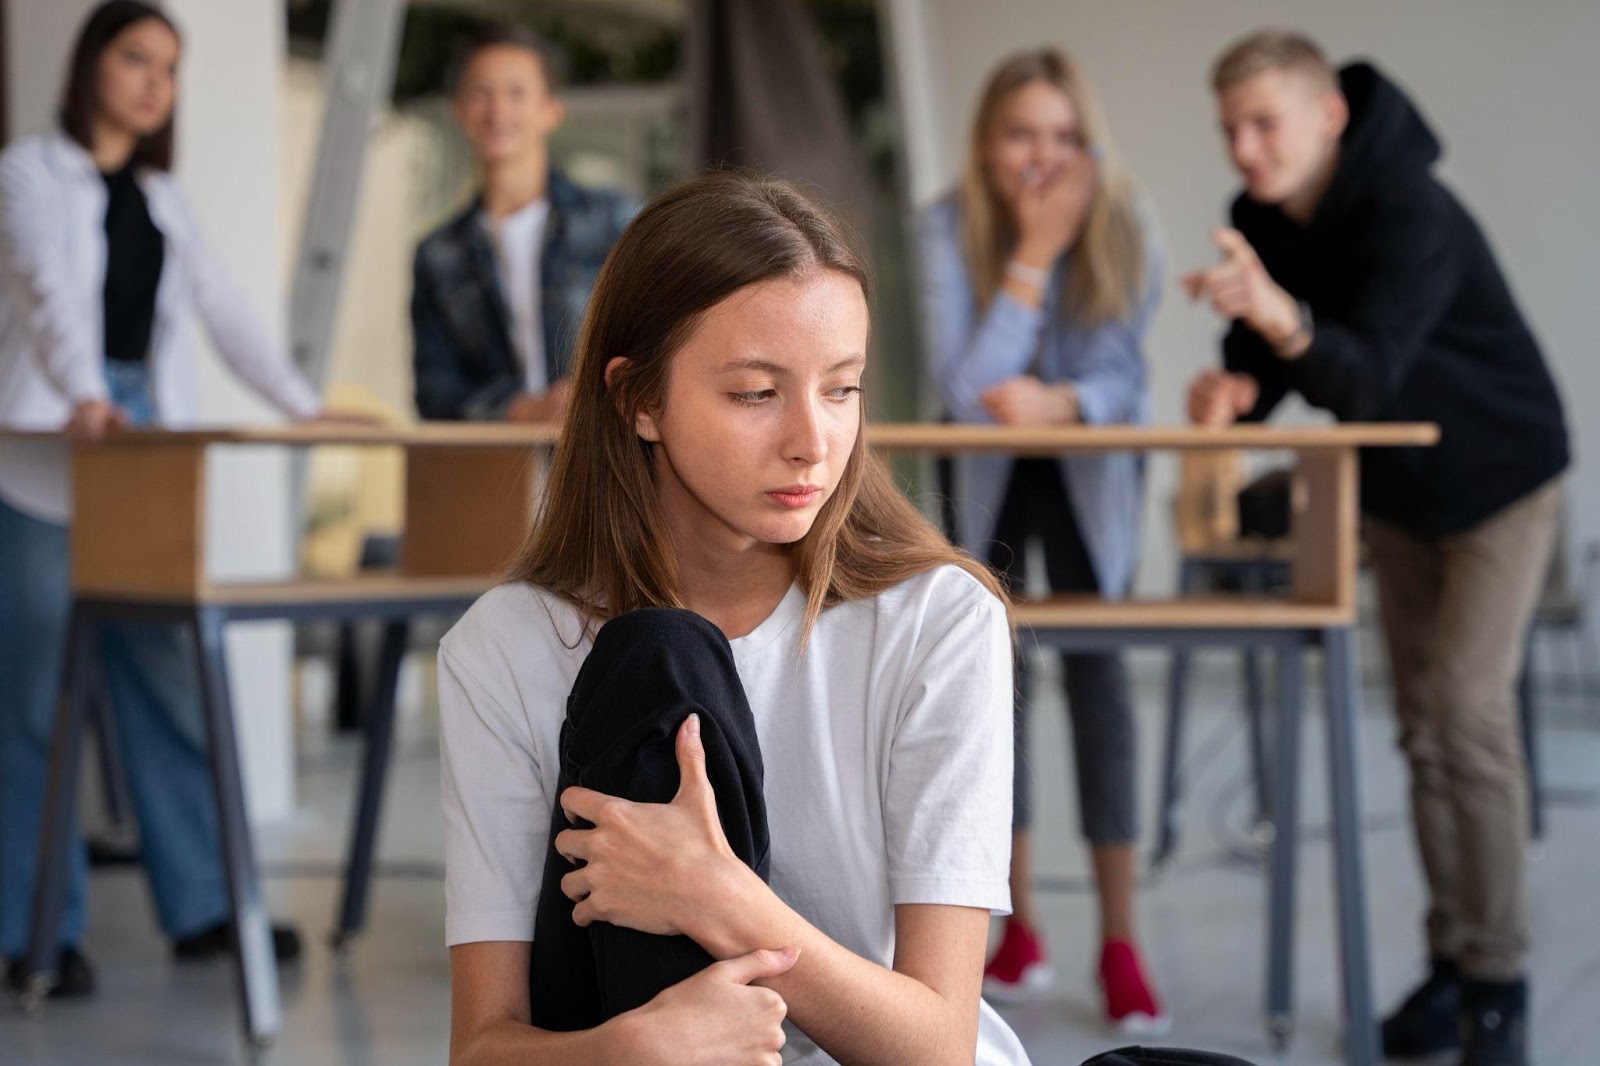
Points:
[[1349, 882], [1254, 581], [257, 969], [57, 827], [1286, 791], [1255, 708], [1172, 757], [347, 709], [375, 767], [1172, 754]]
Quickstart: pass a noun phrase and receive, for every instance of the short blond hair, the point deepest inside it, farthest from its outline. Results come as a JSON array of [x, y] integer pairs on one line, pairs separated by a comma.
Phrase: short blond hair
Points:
[[1272, 50]]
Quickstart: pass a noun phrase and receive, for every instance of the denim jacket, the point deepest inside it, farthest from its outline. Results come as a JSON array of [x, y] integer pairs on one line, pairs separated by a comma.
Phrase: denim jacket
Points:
[[973, 348], [466, 367]]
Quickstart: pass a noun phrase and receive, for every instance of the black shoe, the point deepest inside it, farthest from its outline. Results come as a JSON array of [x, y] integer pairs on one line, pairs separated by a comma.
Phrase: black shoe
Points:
[[1494, 1023], [218, 941], [74, 977], [1428, 1021], [111, 851]]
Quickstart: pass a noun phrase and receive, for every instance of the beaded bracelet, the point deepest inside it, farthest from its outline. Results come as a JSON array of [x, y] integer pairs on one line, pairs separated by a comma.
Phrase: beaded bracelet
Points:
[[1026, 274]]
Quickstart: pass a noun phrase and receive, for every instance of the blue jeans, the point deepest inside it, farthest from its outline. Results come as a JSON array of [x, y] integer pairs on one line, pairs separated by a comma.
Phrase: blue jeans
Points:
[[150, 673]]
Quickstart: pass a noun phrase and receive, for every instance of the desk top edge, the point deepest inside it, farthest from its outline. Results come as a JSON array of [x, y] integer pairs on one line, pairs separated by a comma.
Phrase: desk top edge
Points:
[[884, 436]]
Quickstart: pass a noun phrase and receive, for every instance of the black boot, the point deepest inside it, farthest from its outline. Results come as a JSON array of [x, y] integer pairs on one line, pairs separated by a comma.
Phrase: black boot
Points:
[[1494, 1023], [1427, 1022], [74, 977], [218, 941]]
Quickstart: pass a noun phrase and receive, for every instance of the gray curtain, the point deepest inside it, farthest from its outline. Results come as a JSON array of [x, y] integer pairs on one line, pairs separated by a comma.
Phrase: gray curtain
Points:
[[761, 97]]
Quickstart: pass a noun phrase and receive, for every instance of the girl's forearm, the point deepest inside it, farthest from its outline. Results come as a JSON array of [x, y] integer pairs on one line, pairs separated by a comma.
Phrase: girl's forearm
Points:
[[855, 1010], [511, 1043]]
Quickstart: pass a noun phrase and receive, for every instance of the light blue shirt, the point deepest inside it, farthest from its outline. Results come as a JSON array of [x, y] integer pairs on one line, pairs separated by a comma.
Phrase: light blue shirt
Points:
[[972, 349]]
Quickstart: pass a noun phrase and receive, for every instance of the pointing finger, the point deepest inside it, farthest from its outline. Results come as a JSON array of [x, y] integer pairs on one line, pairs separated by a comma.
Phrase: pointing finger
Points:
[[1233, 244]]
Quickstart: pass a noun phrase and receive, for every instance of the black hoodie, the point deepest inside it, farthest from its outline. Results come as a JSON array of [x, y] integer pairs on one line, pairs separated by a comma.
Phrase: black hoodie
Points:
[[1412, 321]]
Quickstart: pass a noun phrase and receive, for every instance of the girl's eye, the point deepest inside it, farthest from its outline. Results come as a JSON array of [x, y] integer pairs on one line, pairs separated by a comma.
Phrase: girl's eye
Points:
[[844, 392], [753, 399]]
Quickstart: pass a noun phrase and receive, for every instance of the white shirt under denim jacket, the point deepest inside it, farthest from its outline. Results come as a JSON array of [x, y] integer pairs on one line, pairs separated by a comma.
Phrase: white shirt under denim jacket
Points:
[[972, 349], [52, 281]]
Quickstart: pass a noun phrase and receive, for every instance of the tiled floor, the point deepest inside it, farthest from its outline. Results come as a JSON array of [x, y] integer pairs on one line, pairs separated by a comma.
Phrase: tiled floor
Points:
[[387, 1002]]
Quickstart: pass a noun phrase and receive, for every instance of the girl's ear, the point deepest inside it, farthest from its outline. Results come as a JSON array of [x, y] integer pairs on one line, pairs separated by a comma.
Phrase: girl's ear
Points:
[[644, 423], [614, 367]]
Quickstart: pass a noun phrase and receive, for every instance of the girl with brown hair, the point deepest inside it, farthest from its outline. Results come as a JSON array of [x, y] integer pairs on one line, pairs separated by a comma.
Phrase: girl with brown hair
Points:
[[734, 743], [102, 270]]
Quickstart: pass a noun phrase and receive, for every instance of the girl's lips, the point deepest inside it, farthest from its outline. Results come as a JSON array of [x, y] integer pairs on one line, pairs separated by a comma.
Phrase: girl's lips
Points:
[[797, 498]]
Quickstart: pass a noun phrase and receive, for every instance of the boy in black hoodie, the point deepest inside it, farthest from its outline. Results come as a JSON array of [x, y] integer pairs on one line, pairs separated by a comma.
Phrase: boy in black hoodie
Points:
[[1353, 277]]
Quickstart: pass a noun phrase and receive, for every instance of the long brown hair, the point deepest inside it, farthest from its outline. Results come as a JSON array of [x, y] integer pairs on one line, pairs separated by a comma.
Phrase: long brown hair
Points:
[[80, 98], [599, 539], [1108, 258]]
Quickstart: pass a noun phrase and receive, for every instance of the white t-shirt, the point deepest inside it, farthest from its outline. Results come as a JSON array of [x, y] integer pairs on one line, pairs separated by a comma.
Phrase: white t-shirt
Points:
[[517, 240], [886, 746]]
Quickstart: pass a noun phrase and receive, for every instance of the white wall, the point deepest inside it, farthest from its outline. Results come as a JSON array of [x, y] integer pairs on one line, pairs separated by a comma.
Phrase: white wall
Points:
[[228, 163], [1509, 88], [38, 34]]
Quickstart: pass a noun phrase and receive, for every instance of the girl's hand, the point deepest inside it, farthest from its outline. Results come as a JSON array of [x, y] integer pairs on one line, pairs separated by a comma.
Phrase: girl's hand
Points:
[[654, 867], [548, 406], [332, 416], [1027, 401], [90, 420], [1051, 209], [715, 1018]]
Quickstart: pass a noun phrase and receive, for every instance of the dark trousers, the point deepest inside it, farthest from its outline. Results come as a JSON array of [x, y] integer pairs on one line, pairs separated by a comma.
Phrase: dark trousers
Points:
[[1036, 507], [648, 671], [1455, 610]]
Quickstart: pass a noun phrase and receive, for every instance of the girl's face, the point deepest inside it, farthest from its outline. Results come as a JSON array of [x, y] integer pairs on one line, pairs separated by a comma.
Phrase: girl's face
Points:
[[1034, 134], [136, 81], [761, 412]]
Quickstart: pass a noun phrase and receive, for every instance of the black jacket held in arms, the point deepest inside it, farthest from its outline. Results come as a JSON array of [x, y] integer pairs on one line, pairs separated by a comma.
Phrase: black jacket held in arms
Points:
[[1412, 321]]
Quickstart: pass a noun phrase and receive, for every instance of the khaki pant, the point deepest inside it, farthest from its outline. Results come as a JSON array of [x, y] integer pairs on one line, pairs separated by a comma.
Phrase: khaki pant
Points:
[[1455, 610]]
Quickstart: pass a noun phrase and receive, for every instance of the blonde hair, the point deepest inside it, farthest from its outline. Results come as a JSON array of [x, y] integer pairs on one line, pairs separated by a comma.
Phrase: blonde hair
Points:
[[599, 539], [1108, 258], [1272, 50]]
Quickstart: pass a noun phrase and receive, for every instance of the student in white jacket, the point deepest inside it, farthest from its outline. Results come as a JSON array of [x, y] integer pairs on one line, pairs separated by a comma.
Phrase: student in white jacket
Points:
[[100, 269]]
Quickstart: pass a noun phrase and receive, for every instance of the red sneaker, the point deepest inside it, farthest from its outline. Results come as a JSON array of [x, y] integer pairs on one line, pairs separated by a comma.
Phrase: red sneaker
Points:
[[1130, 1002], [1018, 968]]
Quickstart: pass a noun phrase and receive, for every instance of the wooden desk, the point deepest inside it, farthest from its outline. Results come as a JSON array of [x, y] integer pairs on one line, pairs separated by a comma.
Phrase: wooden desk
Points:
[[483, 470], [156, 567]]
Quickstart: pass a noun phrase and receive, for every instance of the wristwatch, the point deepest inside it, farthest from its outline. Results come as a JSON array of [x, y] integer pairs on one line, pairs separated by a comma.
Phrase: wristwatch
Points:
[[1303, 332]]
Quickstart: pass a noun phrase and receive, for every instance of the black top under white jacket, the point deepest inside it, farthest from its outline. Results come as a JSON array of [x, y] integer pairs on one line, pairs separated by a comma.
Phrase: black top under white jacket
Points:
[[1412, 321]]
